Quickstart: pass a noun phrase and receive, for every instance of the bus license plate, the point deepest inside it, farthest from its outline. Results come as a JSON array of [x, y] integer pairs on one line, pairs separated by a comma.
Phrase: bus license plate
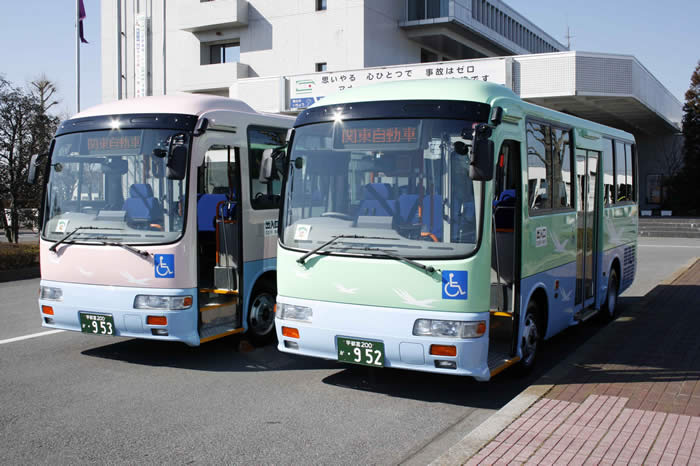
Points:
[[364, 352], [98, 324]]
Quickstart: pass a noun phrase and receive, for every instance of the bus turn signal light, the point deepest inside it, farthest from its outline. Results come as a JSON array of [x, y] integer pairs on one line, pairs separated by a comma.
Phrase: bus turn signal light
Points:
[[443, 350], [290, 332], [157, 320], [47, 310]]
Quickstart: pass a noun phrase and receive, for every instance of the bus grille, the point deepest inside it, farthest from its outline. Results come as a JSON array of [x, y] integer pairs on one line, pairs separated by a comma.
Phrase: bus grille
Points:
[[629, 266]]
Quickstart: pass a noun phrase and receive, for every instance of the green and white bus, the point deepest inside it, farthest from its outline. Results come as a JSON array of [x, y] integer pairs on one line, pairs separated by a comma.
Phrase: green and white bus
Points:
[[449, 227]]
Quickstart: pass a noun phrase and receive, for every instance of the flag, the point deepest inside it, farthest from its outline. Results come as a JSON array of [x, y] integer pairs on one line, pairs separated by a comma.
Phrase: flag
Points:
[[81, 17]]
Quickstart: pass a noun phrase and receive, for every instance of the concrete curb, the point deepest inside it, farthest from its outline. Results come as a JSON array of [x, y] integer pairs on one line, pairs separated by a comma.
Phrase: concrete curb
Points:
[[23, 273], [494, 425]]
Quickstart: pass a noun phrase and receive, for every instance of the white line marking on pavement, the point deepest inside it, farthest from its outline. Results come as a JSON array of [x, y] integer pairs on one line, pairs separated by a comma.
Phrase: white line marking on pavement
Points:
[[27, 337], [667, 246]]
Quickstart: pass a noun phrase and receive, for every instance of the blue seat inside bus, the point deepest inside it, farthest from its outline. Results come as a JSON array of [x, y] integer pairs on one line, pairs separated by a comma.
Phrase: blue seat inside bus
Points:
[[141, 206], [377, 202], [432, 215], [503, 208], [206, 210], [408, 209]]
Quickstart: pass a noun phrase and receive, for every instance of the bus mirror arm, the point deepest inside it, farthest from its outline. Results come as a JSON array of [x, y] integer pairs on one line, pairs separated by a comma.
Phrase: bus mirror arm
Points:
[[481, 160], [201, 128]]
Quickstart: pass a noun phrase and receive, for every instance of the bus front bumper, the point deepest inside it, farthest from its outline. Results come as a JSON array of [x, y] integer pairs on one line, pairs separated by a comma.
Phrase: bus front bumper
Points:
[[118, 302], [391, 326]]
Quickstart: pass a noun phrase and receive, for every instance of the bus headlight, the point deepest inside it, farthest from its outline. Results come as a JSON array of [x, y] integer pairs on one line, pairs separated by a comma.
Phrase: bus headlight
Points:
[[165, 303], [449, 328], [293, 312], [51, 294]]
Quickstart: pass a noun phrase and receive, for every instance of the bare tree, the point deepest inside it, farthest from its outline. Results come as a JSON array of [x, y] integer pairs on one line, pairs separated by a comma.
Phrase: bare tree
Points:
[[25, 129]]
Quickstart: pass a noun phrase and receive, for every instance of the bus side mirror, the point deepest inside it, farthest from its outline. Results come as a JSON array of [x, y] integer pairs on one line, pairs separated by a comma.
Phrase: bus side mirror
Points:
[[265, 167], [177, 162], [32, 174], [481, 162]]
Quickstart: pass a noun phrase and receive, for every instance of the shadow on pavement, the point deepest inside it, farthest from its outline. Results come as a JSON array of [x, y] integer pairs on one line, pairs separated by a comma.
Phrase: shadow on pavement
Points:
[[654, 340], [233, 354], [230, 354]]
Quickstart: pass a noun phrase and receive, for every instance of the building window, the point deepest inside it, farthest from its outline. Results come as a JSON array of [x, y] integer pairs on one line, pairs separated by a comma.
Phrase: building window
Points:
[[321, 5], [321, 66], [427, 9], [225, 53]]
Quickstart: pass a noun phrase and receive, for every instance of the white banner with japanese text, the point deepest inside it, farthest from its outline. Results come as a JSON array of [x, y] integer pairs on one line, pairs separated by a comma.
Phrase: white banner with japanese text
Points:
[[141, 56], [306, 89]]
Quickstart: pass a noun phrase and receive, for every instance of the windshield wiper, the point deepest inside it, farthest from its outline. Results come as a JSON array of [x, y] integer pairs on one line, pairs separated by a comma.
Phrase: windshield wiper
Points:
[[303, 258], [376, 252], [75, 230], [140, 252]]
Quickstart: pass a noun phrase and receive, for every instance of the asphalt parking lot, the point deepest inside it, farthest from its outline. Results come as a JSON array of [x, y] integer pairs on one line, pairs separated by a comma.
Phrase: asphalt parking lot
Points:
[[66, 397]]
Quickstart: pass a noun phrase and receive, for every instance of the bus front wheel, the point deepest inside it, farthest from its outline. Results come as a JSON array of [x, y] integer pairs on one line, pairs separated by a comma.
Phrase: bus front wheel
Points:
[[261, 313], [531, 338]]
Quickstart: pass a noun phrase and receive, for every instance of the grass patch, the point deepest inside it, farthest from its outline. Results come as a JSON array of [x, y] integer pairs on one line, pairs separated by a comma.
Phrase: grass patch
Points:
[[15, 256]]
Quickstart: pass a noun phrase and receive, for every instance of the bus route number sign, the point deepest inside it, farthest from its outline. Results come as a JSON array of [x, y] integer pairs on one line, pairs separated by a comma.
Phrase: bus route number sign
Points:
[[363, 352]]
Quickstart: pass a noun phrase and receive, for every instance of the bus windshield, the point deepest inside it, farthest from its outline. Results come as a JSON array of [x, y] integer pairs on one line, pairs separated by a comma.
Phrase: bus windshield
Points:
[[396, 184], [114, 181]]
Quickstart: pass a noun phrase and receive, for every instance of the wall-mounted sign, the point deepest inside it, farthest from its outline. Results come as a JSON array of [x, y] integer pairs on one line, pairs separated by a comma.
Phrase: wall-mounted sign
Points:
[[305, 90]]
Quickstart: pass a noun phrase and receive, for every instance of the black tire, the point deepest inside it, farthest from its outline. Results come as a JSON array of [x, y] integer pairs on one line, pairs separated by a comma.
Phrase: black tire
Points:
[[261, 313], [609, 309], [531, 339]]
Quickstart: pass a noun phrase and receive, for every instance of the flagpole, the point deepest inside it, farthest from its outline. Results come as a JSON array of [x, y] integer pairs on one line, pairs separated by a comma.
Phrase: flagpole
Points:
[[77, 56]]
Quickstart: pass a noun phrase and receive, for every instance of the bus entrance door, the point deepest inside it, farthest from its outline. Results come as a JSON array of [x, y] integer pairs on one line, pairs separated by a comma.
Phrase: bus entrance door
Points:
[[588, 205], [219, 240]]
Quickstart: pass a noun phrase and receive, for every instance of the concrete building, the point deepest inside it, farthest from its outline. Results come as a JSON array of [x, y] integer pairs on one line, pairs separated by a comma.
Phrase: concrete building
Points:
[[282, 55]]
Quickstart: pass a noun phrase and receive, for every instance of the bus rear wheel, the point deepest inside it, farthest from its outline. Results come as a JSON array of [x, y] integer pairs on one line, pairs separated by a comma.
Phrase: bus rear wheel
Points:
[[261, 313], [608, 310], [531, 339]]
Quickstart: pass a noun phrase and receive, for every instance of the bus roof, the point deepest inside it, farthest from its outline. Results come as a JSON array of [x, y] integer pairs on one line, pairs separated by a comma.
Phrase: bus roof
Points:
[[465, 90], [180, 103]]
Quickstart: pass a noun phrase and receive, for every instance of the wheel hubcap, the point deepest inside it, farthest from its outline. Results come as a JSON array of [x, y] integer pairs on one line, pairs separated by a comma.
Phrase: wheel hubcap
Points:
[[262, 314], [530, 337]]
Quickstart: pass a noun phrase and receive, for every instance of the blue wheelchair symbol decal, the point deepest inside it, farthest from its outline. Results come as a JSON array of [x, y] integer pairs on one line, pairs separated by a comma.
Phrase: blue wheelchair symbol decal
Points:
[[454, 284], [164, 265]]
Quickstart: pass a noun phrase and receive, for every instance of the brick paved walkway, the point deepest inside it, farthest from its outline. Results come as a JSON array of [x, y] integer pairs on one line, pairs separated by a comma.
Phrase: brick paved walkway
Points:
[[634, 399]]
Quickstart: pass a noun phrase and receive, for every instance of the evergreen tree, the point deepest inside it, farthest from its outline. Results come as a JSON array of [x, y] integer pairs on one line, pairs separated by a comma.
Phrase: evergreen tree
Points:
[[686, 186]]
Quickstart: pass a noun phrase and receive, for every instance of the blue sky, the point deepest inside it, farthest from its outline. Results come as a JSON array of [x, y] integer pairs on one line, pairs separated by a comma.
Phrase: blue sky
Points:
[[37, 36]]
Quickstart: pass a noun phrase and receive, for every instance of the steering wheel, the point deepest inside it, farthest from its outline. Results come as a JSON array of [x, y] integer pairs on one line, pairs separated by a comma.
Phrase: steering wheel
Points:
[[338, 215]]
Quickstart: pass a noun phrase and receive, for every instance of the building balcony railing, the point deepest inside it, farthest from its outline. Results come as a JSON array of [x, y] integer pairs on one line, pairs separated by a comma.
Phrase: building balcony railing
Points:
[[197, 15]]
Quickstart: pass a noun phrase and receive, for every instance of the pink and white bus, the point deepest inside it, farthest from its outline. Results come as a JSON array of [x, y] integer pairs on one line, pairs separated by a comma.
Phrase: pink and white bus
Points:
[[156, 223]]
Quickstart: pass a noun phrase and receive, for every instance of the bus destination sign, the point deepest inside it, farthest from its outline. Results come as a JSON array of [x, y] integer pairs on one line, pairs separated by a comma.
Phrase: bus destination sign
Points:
[[375, 133], [112, 144]]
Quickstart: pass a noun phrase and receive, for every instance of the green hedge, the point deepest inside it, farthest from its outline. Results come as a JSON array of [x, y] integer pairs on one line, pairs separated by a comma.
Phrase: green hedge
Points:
[[15, 256]]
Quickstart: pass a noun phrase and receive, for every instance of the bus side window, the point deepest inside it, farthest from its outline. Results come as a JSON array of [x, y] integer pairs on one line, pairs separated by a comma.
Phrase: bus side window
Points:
[[264, 195], [608, 173]]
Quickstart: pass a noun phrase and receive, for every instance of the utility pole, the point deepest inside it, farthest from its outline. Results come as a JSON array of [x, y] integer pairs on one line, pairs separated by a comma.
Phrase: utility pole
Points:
[[568, 37]]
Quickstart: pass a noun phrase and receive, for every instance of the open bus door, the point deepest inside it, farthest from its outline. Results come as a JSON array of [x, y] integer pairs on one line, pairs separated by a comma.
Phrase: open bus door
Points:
[[219, 243], [506, 224]]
